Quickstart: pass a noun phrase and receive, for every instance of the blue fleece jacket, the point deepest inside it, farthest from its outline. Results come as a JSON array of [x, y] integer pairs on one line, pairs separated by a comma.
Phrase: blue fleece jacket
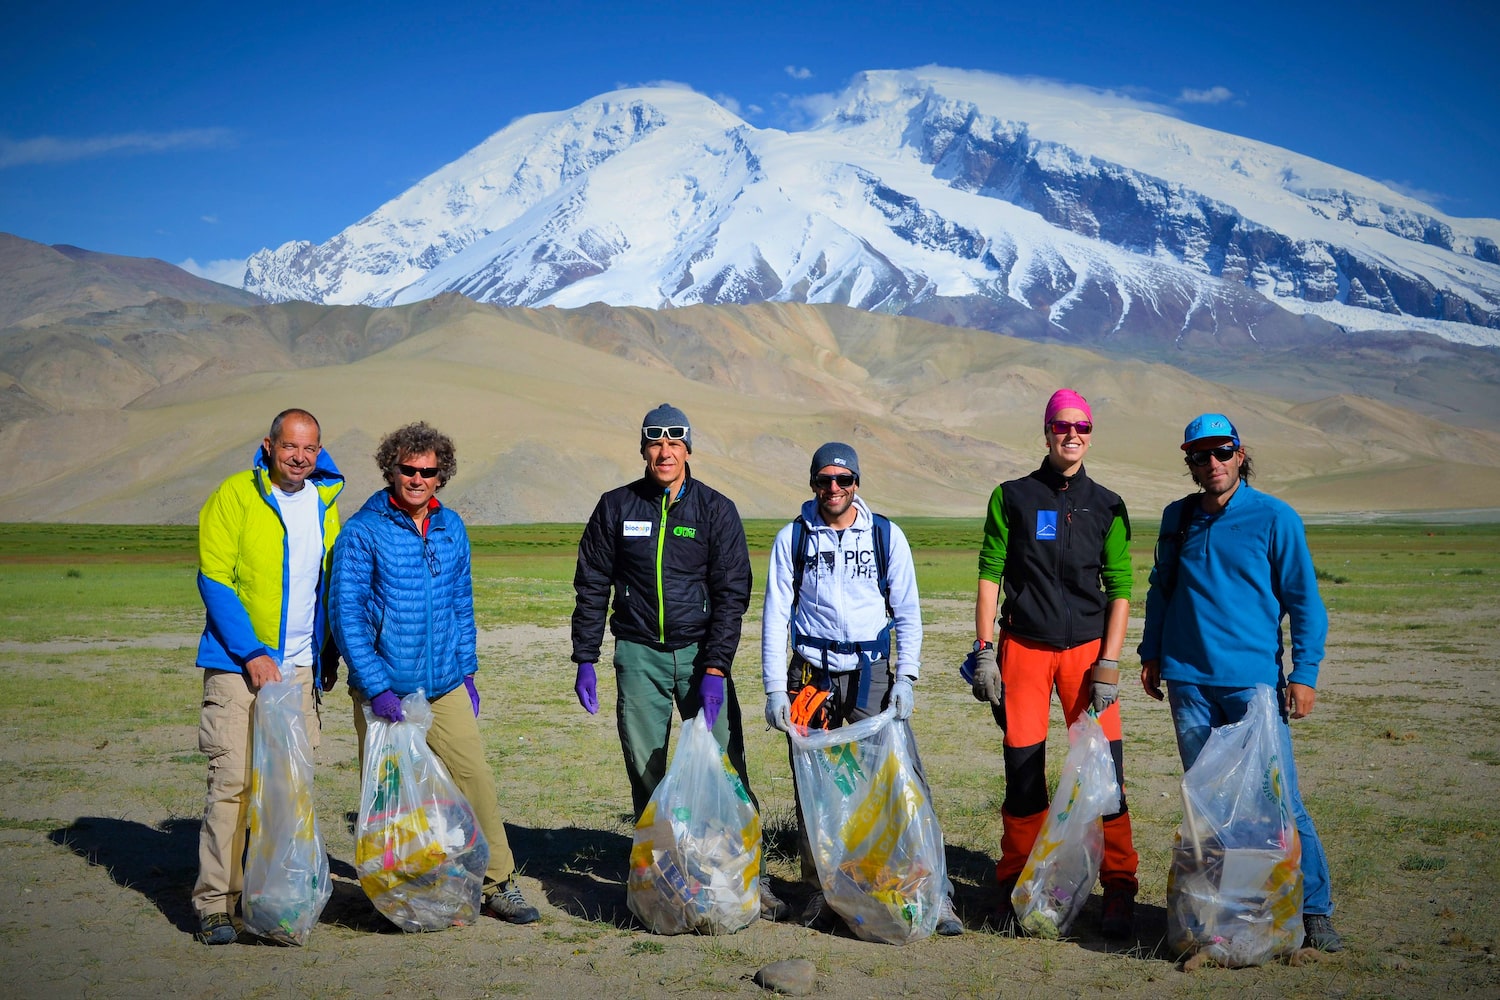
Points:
[[1238, 574], [402, 605]]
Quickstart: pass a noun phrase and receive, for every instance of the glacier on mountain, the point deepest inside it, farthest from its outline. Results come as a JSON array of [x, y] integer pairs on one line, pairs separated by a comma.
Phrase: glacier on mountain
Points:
[[940, 193]]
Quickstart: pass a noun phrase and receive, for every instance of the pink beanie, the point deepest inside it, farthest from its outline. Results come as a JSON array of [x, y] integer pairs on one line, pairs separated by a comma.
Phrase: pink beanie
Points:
[[1064, 399]]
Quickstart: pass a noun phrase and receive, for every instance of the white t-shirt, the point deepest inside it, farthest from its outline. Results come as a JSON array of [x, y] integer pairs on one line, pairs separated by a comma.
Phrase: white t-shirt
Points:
[[305, 556]]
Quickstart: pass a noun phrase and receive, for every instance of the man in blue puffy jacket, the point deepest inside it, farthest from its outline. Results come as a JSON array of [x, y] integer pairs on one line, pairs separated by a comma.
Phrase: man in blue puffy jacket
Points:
[[1231, 563], [402, 609], [263, 543]]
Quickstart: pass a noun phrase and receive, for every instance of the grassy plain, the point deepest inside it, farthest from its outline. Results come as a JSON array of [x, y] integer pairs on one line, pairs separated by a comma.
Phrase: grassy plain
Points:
[[102, 783]]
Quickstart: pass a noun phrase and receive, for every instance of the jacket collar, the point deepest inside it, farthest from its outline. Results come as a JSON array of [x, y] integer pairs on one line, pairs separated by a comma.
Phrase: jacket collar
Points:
[[1056, 481]]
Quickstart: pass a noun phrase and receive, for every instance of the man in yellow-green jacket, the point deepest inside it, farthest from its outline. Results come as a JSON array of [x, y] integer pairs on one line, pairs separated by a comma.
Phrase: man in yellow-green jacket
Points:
[[264, 539]]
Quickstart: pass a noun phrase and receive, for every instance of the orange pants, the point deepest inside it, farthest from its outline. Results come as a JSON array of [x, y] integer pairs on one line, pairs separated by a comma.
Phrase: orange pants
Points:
[[1031, 671]]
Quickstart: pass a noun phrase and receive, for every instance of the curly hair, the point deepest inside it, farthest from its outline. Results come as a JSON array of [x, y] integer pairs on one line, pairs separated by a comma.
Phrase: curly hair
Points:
[[414, 439]]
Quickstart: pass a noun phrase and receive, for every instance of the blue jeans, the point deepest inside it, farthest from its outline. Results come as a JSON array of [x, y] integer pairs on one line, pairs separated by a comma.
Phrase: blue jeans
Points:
[[1196, 710]]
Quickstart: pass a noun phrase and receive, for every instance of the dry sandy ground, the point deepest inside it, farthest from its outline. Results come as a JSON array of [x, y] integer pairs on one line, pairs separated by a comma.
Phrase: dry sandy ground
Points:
[[97, 906]]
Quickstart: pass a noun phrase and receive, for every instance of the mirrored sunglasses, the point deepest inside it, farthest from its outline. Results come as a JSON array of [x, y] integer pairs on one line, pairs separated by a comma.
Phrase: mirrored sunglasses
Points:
[[1062, 427], [673, 433], [1200, 457]]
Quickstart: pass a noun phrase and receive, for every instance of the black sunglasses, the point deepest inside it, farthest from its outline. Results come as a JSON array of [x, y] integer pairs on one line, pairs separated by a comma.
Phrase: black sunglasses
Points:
[[1200, 457], [413, 471], [844, 479], [1061, 427], [674, 433]]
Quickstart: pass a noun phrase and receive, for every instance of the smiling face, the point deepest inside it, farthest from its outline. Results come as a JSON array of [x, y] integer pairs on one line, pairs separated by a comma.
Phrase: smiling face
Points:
[[1066, 451], [666, 463], [835, 502], [413, 492], [293, 455], [1218, 478]]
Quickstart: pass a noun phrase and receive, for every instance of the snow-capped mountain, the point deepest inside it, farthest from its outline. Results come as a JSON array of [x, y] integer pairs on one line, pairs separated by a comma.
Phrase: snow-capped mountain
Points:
[[941, 193]]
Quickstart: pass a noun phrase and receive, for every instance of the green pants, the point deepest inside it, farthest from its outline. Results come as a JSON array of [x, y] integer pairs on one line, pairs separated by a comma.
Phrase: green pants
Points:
[[648, 684]]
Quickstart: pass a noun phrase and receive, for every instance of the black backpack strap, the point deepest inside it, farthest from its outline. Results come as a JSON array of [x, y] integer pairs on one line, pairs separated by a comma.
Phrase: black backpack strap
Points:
[[883, 558], [799, 558], [1169, 545]]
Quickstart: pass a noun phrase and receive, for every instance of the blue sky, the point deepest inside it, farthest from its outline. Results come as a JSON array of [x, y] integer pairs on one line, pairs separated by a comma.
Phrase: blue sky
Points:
[[190, 131]]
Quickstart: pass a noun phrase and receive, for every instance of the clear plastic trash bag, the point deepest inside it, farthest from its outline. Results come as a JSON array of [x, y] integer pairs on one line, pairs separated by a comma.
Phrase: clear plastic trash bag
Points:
[[1234, 890], [875, 837], [695, 860], [286, 867], [420, 854], [1064, 862]]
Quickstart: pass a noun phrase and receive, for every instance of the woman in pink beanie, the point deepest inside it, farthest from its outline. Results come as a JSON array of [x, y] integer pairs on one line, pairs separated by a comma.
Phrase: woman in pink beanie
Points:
[[1056, 542]]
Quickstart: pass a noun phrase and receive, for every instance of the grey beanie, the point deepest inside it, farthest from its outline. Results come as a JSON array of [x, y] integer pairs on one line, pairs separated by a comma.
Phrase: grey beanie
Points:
[[667, 415], [835, 453]]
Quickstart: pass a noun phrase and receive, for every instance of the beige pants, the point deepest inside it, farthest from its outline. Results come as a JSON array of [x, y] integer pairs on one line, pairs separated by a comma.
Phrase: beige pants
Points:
[[224, 734], [454, 737]]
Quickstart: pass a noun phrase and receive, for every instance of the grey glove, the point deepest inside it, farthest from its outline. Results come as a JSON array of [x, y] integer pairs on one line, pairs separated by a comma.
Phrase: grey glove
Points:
[[1105, 693], [987, 684], [903, 699], [779, 711]]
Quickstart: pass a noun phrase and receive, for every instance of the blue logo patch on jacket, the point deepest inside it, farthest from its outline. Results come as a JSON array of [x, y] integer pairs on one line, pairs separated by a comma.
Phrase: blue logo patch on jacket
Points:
[[1046, 525]]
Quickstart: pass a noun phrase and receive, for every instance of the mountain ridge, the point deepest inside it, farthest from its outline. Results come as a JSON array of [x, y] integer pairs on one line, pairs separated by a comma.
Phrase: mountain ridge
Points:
[[929, 192], [134, 414]]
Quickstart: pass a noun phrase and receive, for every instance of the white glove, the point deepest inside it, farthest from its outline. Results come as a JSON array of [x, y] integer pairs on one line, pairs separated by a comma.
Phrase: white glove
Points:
[[779, 711], [902, 697]]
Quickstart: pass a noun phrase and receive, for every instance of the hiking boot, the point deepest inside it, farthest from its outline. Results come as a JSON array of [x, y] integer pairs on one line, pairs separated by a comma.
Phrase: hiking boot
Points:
[[817, 914], [772, 907], [1118, 922], [1318, 928], [948, 924], [217, 928], [1005, 914], [504, 900]]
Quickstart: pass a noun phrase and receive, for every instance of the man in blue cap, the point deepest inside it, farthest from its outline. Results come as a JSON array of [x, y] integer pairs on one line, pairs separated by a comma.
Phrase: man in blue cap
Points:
[[1231, 563], [673, 550]]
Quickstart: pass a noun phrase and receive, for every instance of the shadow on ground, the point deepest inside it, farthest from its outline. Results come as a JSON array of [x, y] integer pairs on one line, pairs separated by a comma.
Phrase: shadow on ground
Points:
[[159, 862]]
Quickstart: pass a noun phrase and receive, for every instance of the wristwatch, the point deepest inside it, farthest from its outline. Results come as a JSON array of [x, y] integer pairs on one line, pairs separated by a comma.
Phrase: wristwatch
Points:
[[981, 645]]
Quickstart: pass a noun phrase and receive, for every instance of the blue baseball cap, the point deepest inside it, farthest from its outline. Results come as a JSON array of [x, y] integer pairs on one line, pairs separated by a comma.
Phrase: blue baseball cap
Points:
[[1209, 425]]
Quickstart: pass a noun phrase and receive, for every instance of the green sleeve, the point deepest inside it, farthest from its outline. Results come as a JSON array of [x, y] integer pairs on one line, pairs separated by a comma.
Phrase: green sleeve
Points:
[[992, 548], [1114, 569]]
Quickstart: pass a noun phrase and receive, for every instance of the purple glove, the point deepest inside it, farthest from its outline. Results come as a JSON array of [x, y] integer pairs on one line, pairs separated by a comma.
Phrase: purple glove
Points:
[[711, 692], [587, 688], [473, 692], [387, 705]]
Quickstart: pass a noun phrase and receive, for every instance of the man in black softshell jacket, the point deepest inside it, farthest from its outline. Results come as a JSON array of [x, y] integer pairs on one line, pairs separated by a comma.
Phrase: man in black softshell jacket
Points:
[[673, 551]]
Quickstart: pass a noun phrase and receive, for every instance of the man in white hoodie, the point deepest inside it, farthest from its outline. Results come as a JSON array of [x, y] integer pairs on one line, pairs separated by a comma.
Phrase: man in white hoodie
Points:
[[841, 581]]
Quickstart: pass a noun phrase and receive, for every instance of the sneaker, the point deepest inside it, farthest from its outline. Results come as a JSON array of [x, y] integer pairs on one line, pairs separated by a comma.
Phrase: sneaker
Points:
[[217, 928], [1119, 914], [817, 914], [771, 905], [1318, 927], [948, 924], [505, 901]]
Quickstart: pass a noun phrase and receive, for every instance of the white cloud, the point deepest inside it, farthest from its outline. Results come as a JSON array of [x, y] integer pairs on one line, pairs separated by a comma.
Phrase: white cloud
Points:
[[1426, 197], [55, 149], [664, 84], [728, 103], [1213, 95], [212, 220], [799, 72], [225, 272]]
